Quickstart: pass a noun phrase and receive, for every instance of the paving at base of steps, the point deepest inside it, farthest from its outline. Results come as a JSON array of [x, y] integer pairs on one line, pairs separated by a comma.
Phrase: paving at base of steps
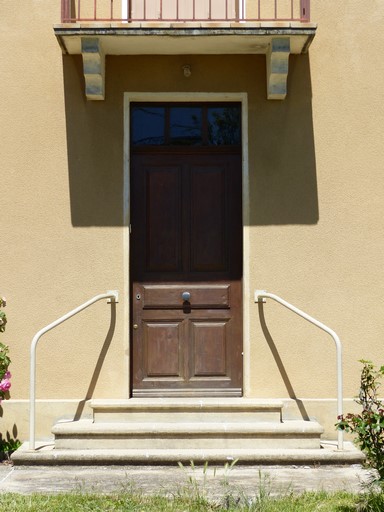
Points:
[[214, 481]]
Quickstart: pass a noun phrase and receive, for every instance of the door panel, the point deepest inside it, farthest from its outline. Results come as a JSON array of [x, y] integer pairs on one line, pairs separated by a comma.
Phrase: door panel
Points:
[[170, 296], [164, 240], [186, 237], [208, 219], [159, 339], [209, 348]]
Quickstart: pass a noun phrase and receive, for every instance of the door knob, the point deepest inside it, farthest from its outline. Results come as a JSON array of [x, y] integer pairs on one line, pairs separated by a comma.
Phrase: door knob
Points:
[[186, 296]]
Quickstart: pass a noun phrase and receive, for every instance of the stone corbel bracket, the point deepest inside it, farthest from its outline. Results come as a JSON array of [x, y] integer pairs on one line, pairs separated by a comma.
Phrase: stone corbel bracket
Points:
[[277, 67], [94, 68]]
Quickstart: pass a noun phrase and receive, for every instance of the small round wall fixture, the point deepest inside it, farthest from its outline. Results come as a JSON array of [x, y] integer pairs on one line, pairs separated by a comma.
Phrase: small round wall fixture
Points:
[[187, 70]]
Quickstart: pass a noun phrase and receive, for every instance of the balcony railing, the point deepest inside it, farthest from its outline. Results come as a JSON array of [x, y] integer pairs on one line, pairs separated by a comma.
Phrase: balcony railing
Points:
[[104, 11]]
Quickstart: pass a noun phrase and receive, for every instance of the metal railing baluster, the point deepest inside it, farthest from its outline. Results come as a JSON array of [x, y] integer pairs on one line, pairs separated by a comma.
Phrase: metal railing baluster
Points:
[[298, 11]]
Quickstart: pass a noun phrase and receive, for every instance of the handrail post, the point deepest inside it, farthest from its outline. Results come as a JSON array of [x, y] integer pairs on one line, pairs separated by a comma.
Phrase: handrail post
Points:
[[113, 297], [260, 294]]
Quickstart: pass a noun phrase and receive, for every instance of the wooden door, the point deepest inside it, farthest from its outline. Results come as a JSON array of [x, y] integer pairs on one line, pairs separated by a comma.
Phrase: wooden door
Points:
[[186, 268]]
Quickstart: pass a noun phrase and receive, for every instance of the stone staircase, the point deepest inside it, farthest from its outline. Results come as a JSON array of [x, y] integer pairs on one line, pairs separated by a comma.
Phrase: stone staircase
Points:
[[169, 430]]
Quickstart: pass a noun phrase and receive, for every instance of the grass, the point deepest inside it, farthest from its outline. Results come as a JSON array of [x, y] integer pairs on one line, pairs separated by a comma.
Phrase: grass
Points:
[[137, 502]]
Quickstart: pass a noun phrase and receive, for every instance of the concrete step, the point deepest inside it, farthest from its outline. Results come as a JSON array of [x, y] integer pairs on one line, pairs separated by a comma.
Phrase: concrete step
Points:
[[186, 410], [326, 455], [169, 430], [85, 434]]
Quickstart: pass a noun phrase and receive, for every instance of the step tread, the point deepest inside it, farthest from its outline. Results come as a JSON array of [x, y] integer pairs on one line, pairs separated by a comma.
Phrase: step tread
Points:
[[87, 427], [327, 454], [187, 404]]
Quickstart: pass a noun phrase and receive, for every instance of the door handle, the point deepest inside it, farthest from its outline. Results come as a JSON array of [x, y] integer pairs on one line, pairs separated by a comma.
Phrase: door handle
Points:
[[186, 296]]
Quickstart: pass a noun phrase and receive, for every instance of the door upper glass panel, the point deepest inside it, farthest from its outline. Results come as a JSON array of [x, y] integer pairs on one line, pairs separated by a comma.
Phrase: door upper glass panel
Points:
[[147, 126], [186, 126], [208, 124], [224, 126]]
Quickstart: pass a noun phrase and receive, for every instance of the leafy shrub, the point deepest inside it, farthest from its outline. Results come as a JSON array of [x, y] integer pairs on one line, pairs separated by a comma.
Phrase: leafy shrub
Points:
[[3, 316], [8, 444], [368, 426], [5, 361]]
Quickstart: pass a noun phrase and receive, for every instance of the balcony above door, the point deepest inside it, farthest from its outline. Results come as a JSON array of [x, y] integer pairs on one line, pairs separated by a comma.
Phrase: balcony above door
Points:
[[95, 28]]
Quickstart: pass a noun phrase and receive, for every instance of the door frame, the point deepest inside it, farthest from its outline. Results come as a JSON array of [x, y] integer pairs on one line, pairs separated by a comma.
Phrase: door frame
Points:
[[175, 97]]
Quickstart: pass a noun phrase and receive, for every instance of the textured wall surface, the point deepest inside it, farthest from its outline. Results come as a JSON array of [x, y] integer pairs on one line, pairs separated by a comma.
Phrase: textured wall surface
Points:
[[316, 192]]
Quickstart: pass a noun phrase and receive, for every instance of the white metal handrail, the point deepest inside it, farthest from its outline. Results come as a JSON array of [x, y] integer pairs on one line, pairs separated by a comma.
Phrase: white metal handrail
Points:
[[113, 295], [262, 294]]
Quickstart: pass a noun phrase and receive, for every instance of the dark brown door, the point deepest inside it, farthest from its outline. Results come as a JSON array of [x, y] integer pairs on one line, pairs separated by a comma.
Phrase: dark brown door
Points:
[[186, 268]]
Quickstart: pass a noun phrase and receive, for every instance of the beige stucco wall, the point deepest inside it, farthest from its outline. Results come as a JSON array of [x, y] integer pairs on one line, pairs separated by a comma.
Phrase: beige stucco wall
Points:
[[333, 267], [316, 216]]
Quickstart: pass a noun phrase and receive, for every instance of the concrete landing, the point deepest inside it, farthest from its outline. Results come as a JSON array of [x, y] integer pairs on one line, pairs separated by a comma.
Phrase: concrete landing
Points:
[[213, 482]]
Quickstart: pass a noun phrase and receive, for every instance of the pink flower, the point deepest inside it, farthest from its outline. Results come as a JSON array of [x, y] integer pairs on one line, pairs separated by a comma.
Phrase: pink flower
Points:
[[7, 375], [5, 385]]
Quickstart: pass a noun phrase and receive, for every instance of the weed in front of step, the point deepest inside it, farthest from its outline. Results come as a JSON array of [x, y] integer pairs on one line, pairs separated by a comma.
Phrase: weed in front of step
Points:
[[231, 497], [195, 489]]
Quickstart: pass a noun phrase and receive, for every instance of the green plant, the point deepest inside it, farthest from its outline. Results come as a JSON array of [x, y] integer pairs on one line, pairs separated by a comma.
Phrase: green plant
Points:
[[368, 426], [195, 489], [145, 502], [230, 499], [8, 444], [3, 316], [5, 360]]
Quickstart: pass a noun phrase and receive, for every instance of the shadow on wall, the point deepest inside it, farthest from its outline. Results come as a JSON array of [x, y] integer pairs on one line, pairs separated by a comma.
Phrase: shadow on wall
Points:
[[95, 152], [280, 364], [99, 364], [282, 167], [282, 155]]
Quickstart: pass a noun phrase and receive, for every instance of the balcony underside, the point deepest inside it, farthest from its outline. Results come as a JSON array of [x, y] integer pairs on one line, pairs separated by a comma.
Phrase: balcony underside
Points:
[[277, 40], [211, 38]]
